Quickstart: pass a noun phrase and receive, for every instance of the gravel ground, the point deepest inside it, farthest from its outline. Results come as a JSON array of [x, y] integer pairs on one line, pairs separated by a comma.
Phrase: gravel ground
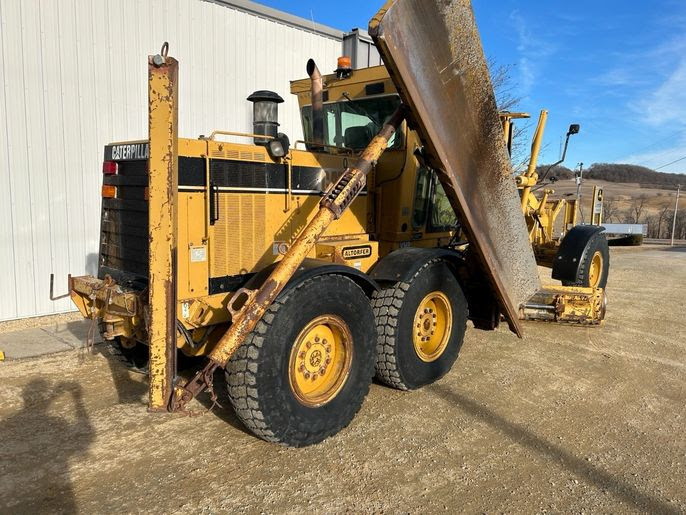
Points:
[[567, 420]]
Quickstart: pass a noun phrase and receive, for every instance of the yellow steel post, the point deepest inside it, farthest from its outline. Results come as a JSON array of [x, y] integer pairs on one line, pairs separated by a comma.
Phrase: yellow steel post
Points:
[[530, 178], [162, 206], [245, 318], [597, 206]]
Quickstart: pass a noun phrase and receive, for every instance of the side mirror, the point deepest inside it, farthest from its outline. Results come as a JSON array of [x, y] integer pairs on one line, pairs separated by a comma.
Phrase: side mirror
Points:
[[574, 129]]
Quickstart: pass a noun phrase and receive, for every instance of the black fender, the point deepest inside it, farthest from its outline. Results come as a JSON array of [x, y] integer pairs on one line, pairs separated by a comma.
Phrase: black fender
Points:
[[402, 264], [574, 244], [311, 268]]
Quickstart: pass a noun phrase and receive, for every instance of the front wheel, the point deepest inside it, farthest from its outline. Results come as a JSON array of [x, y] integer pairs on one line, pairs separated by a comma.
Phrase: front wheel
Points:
[[594, 264], [421, 325], [302, 374]]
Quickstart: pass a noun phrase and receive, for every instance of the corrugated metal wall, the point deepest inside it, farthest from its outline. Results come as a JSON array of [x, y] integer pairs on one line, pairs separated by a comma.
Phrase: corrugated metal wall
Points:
[[73, 77]]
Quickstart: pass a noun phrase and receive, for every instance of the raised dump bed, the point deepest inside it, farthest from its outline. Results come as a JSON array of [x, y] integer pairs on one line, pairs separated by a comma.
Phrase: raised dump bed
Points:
[[433, 52]]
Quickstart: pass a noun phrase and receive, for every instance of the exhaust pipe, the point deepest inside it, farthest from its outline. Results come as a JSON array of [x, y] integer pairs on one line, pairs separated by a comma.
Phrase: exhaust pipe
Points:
[[317, 102]]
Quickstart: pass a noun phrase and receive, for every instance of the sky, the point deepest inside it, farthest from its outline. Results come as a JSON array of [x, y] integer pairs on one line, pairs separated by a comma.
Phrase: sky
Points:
[[617, 68]]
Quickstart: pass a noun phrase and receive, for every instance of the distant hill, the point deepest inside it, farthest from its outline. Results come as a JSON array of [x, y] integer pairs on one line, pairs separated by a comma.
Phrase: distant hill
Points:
[[621, 173], [561, 172]]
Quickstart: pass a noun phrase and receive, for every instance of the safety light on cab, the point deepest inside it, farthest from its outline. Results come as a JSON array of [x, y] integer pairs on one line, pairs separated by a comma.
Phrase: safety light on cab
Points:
[[345, 67]]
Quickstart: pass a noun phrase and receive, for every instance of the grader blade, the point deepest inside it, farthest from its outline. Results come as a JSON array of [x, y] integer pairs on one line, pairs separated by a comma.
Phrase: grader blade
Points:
[[433, 52]]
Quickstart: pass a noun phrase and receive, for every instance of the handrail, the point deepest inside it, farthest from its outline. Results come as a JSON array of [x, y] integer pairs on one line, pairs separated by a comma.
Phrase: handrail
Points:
[[314, 144], [241, 134]]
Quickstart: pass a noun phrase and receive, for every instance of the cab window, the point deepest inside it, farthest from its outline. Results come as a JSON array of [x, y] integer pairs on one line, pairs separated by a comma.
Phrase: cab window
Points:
[[353, 123], [422, 196], [443, 216], [432, 209]]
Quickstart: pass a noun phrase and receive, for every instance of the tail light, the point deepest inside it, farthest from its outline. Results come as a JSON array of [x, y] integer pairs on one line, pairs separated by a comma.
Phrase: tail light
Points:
[[109, 167], [109, 191]]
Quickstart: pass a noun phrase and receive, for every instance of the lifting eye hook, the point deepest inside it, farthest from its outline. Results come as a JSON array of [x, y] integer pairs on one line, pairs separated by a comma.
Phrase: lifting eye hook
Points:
[[161, 58]]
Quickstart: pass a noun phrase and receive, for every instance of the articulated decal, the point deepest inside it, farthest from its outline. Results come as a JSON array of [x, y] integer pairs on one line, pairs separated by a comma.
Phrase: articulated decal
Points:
[[357, 252]]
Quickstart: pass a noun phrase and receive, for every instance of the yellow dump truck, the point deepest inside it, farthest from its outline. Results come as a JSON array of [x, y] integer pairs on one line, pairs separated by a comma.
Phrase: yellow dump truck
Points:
[[302, 269]]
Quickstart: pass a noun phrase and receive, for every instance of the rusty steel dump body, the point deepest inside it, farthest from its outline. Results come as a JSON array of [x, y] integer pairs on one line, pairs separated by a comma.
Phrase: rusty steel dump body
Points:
[[433, 52]]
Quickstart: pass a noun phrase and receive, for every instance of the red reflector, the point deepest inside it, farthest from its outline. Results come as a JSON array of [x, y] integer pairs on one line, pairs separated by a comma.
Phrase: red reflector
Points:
[[109, 167]]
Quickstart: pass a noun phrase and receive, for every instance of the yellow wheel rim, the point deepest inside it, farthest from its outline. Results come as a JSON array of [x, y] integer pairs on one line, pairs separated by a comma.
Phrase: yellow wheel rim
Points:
[[596, 270], [433, 323], [320, 360]]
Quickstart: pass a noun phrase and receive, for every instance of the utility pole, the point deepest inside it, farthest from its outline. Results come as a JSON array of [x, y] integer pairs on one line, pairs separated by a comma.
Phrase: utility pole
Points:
[[676, 207]]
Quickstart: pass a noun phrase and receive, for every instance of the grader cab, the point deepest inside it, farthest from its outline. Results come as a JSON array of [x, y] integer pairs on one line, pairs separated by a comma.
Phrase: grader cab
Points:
[[302, 270]]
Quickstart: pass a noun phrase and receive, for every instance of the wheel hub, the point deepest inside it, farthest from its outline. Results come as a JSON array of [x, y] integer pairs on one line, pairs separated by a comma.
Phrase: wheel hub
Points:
[[316, 358], [320, 360], [432, 326], [596, 270]]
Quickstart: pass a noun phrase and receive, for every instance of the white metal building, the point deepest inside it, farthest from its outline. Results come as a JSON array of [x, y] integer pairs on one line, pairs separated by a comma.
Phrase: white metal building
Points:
[[73, 77]]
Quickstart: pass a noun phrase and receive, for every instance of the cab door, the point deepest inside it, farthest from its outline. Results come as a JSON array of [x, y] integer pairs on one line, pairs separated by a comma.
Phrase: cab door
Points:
[[433, 219]]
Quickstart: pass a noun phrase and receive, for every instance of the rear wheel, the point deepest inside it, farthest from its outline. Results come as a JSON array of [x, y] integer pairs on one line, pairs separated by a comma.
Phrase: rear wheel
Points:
[[302, 374], [421, 325]]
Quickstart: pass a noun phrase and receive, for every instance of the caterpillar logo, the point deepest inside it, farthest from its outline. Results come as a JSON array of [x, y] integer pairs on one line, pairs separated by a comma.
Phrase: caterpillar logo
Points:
[[359, 251], [127, 152]]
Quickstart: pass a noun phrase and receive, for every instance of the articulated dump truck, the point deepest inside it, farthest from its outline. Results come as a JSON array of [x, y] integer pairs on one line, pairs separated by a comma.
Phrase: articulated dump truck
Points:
[[303, 269]]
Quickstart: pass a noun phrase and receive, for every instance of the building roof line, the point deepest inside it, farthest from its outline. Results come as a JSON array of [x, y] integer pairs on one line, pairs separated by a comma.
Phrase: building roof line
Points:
[[280, 17]]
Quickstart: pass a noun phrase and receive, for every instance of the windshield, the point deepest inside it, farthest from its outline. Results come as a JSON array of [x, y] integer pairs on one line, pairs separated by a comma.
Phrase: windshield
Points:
[[353, 123]]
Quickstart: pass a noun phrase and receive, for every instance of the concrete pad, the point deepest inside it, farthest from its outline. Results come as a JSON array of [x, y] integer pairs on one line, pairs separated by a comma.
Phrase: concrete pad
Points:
[[74, 334], [37, 341]]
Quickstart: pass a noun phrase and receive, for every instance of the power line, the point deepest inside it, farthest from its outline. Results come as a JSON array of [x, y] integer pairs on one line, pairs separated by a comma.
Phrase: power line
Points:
[[668, 164], [662, 140]]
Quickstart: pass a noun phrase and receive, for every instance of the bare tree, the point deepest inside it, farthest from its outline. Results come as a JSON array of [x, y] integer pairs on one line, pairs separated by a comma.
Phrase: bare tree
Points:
[[610, 209], [504, 85], [505, 89], [637, 207], [662, 219]]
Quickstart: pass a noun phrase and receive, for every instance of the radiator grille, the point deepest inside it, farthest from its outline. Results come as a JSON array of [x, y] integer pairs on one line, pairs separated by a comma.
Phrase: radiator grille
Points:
[[226, 153], [239, 234]]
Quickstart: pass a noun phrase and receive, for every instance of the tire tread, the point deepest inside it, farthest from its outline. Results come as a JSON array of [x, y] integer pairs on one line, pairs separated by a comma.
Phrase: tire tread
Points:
[[241, 380]]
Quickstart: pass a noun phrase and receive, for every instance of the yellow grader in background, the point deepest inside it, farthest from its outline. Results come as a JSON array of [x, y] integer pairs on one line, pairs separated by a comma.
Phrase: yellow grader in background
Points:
[[578, 254], [302, 270]]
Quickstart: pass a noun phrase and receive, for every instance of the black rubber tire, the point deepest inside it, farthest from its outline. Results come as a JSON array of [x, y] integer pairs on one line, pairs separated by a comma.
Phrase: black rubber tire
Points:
[[597, 243], [257, 374], [135, 359], [397, 362]]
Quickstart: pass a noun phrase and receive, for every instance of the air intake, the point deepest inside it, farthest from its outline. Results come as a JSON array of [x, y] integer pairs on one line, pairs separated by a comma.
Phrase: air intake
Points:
[[265, 115]]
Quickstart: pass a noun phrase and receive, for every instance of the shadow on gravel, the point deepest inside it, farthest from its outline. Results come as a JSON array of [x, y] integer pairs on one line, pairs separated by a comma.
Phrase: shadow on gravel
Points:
[[601, 479], [36, 447], [130, 389]]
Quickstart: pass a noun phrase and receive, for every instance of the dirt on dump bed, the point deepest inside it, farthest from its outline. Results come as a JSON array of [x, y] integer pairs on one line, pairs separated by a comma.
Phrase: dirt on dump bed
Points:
[[568, 419]]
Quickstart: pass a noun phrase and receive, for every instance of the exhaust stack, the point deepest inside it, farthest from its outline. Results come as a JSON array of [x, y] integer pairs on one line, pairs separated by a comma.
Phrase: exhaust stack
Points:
[[317, 102]]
